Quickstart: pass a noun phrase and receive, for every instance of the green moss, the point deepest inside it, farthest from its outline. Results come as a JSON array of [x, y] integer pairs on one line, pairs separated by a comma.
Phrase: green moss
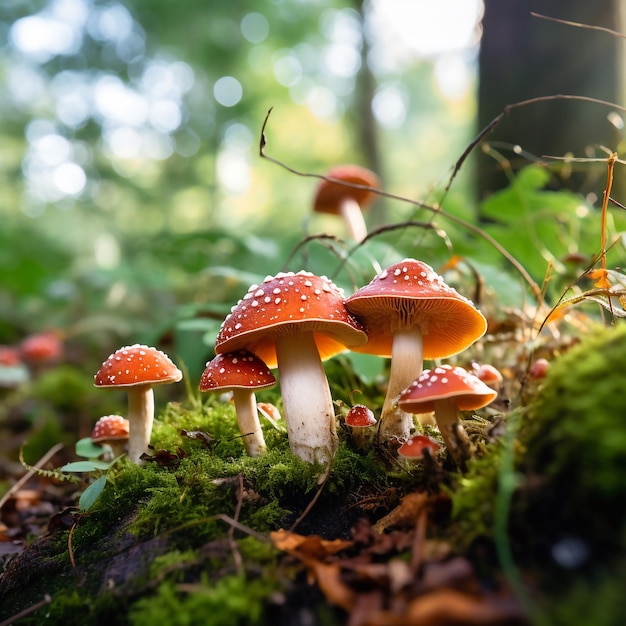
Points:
[[230, 600]]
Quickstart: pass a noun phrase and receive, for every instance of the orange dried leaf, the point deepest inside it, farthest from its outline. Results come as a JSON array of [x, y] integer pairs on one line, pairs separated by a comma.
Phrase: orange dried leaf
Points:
[[311, 545]]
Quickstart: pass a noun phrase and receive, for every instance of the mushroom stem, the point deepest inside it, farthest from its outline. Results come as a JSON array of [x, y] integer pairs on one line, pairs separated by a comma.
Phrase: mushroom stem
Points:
[[140, 418], [248, 421], [406, 365], [451, 432], [353, 216], [307, 402]]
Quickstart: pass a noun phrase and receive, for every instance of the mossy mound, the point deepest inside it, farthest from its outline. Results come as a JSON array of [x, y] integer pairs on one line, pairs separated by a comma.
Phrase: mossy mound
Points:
[[195, 516]]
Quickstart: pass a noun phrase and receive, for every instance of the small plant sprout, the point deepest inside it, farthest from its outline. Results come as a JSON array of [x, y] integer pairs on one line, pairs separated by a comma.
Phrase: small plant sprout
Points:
[[447, 390], [347, 201], [242, 373], [410, 314], [296, 321], [138, 368]]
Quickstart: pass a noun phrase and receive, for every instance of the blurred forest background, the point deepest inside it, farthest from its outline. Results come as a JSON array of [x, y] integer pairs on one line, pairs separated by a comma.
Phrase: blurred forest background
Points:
[[135, 206]]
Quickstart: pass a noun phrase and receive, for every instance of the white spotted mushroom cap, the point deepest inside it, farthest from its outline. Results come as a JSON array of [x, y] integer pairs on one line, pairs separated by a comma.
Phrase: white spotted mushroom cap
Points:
[[137, 365], [236, 370], [443, 382], [286, 304], [110, 428], [411, 294]]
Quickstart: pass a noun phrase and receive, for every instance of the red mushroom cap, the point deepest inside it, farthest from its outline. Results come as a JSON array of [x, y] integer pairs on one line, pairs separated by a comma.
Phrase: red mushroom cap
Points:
[[329, 195], [137, 365], [444, 382], [287, 304], [487, 373], [414, 448], [41, 348], [9, 356], [236, 370], [110, 428], [411, 294], [360, 416]]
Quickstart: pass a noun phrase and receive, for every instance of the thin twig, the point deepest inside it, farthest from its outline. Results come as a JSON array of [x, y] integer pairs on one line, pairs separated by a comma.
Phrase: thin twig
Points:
[[602, 29], [70, 547], [31, 609], [422, 205], [24, 479], [231, 531], [311, 504]]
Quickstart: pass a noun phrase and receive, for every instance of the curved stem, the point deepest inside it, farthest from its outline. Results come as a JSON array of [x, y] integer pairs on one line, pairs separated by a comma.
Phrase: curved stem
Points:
[[307, 402], [406, 365], [140, 418], [248, 421], [353, 216]]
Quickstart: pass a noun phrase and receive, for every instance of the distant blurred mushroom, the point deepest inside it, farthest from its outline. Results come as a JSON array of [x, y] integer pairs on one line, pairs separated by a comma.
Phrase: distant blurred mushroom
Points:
[[347, 201], [242, 373], [138, 368], [41, 350]]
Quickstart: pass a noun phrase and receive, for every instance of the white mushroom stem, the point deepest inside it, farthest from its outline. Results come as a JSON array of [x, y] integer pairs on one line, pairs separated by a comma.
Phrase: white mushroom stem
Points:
[[406, 365], [451, 431], [248, 420], [353, 216], [140, 418], [307, 402]]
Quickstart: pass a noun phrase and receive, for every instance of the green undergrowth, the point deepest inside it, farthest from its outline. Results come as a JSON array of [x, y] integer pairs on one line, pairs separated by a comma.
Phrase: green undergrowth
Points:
[[169, 531]]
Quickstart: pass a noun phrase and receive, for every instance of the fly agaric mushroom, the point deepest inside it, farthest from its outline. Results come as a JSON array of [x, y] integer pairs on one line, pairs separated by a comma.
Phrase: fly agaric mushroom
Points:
[[417, 447], [446, 390], [360, 419], [111, 430], [242, 373], [410, 314], [296, 321], [340, 199], [138, 368]]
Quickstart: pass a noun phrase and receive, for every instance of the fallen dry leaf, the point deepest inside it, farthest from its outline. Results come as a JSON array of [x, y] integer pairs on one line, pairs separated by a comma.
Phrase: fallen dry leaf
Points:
[[310, 546]]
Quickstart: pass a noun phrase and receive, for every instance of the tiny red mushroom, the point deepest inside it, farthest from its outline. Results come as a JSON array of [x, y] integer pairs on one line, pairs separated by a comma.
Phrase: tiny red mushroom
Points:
[[417, 447], [360, 419], [242, 373], [296, 321], [138, 368], [340, 199], [410, 314], [113, 431], [446, 390], [490, 375]]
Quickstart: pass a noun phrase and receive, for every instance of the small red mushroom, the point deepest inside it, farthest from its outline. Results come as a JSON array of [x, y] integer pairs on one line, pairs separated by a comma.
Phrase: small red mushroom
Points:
[[138, 368], [417, 446], [360, 419], [242, 373], [111, 430], [446, 390]]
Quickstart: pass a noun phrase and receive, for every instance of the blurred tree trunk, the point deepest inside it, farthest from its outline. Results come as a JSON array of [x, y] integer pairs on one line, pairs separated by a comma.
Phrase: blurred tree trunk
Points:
[[522, 57]]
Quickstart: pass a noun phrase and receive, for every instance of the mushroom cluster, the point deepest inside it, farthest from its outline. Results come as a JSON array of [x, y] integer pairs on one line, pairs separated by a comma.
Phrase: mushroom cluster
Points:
[[137, 369], [294, 321], [409, 314]]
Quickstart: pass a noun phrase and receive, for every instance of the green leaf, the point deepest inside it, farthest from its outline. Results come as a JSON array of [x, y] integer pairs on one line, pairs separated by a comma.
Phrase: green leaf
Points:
[[85, 447], [91, 494], [86, 466]]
